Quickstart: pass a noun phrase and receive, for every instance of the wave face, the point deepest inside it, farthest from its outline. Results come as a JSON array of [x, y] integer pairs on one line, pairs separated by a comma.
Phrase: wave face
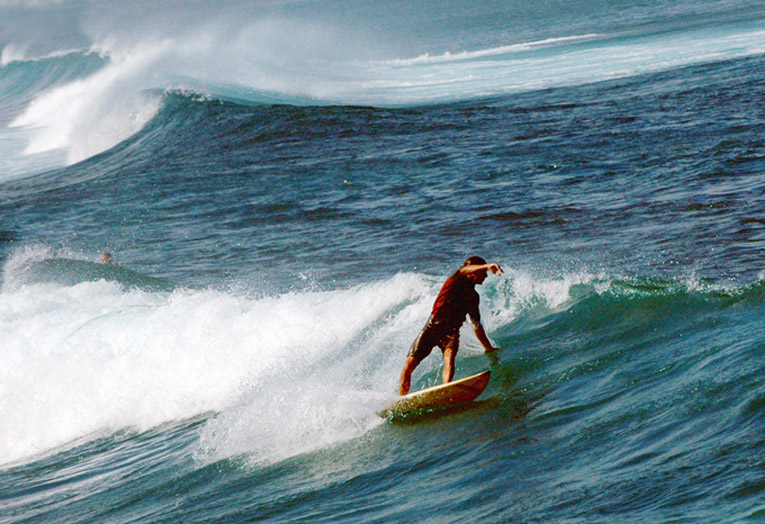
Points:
[[283, 187]]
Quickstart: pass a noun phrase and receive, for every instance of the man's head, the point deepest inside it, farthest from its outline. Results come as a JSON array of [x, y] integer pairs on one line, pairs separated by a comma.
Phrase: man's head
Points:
[[474, 261], [479, 276]]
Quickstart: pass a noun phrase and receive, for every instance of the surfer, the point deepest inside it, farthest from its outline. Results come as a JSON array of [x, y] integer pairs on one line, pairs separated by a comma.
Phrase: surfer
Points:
[[456, 300], [106, 258]]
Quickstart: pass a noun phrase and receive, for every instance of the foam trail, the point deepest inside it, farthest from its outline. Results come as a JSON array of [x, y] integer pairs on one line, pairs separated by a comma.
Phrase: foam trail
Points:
[[284, 374], [93, 357]]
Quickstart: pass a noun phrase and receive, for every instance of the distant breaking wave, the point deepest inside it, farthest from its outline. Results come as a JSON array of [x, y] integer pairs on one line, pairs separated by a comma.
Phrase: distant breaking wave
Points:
[[262, 62], [494, 51]]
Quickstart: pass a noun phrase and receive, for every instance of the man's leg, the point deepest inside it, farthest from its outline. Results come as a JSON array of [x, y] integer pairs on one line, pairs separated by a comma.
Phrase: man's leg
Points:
[[449, 355], [406, 375], [421, 348]]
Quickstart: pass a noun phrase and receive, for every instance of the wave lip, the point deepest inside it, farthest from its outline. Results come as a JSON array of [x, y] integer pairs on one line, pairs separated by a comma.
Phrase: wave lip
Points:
[[92, 114], [427, 58], [13, 53]]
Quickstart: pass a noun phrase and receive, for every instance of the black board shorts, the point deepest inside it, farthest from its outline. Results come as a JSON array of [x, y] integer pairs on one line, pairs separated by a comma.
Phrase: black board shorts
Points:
[[432, 336]]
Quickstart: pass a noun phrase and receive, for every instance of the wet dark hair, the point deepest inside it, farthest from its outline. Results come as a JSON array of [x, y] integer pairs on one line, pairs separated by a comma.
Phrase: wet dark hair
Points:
[[474, 261]]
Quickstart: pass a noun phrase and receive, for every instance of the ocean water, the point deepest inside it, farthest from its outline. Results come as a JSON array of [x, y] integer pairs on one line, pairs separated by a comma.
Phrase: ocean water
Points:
[[284, 186]]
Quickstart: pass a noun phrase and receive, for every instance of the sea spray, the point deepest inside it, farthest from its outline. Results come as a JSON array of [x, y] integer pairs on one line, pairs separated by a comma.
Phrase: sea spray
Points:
[[93, 356]]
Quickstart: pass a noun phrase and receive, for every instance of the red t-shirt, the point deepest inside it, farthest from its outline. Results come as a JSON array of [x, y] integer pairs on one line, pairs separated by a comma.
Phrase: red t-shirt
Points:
[[457, 299]]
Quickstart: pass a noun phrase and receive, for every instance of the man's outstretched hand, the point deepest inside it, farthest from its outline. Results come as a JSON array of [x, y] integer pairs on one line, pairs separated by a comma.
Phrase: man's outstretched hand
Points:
[[494, 268]]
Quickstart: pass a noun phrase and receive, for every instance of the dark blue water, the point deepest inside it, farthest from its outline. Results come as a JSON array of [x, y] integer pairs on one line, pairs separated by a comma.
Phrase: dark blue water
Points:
[[284, 187]]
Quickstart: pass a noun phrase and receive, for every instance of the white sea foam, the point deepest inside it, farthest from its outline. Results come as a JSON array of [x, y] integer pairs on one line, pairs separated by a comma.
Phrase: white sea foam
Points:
[[12, 53], [93, 357], [521, 291], [89, 115]]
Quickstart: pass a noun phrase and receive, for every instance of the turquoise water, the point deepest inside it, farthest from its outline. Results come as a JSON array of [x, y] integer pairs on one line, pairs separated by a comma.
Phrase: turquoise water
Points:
[[285, 186]]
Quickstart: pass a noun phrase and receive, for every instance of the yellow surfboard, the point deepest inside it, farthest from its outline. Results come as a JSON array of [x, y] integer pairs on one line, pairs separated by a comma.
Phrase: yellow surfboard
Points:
[[444, 395]]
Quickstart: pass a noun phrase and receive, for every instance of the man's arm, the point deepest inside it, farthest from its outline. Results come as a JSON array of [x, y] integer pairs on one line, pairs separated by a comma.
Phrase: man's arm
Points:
[[480, 333], [475, 268]]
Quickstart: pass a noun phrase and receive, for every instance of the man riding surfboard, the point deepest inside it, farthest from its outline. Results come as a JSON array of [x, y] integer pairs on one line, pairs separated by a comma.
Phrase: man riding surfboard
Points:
[[456, 300]]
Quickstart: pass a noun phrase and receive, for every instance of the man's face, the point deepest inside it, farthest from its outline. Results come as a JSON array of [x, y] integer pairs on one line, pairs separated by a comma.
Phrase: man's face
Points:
[[478, 277]]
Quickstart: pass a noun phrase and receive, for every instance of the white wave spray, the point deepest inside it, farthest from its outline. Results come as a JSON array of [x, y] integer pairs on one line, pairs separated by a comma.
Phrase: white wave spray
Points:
[[91, 358]]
